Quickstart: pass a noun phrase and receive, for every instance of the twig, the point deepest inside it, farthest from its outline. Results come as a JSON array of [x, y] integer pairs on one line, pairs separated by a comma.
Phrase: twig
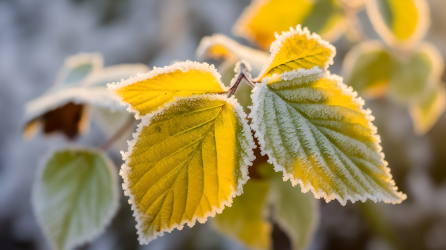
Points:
[[128, 125], [242, 75]]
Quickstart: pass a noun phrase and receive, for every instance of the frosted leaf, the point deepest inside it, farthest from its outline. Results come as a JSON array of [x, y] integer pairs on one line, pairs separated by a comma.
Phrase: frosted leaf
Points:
[[148, 92], [317, 133], [187, 162], [91, 90], [219, 46], [75, 196], [297, 49]]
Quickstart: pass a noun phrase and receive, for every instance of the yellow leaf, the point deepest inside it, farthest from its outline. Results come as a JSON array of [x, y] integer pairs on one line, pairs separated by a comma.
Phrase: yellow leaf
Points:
[[146, 93], [246, 219], [262, 18], [399, 23], [367, 68], [317, 133], [297, 49], [187, 162], [426, 111]]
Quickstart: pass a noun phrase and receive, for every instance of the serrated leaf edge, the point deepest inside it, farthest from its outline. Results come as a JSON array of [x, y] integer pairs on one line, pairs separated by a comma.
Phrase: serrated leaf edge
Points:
[[145, 121], [183, 66], [278, 43], [261, 87]]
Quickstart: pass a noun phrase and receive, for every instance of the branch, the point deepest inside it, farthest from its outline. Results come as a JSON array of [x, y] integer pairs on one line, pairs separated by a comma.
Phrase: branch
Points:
[[242, 75], [128, 125]]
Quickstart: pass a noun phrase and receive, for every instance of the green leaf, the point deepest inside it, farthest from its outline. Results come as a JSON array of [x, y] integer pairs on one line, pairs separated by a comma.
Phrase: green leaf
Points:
[[367, 68], [410, 77], [400, 23], [75, 196], [296, 213], [245, 221], [426, 111], [187, 162], [314, 130]]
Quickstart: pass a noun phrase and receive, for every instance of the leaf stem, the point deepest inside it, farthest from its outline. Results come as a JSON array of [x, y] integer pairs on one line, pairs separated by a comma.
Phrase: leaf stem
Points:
[[242, 75], [128, 125]]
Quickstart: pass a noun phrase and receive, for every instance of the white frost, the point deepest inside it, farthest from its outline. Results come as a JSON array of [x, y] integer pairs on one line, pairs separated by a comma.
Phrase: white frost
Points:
[[287, 137], [244, 163]]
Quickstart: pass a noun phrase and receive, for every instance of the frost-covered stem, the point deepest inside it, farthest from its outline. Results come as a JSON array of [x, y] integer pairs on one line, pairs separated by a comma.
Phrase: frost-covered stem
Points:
[[128, 125], [249, 81], [241, 75], [236, 84]]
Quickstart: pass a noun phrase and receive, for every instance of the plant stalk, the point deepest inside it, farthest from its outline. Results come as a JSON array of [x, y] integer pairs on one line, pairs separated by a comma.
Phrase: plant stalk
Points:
[[128, 125]]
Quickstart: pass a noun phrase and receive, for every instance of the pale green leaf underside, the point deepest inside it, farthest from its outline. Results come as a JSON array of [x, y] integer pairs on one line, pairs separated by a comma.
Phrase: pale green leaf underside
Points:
[[317, 133], [75, 196]]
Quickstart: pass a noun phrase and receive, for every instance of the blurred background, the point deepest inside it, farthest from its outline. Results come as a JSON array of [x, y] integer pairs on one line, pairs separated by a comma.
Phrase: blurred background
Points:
[[35, 38]]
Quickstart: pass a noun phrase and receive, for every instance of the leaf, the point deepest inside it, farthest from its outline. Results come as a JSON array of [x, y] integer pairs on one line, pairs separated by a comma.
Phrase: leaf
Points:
[[368, 68], [316, 132], [146, 93], [399, 23], [245, 221], [297, 49], [53, 108], [222, 47], [186, 162], [75, 196], [426, 111], [410, 78], [296, 213], [77, 67], [263, 18]]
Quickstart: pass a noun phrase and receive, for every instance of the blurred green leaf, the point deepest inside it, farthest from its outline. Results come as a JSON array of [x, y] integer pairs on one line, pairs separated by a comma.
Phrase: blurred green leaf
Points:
[[367, 68], [245, 220], [410, 77], [75, 196], [426, 111], [296, 213]]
